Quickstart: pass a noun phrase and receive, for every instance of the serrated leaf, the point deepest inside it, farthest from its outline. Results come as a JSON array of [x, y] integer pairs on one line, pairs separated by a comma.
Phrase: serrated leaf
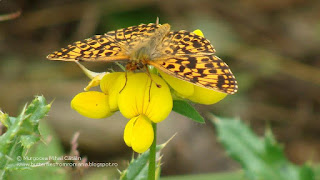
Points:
[[37, 109], [184, 108], [42, 149], [22, 132], [262, 159], [28, 140]]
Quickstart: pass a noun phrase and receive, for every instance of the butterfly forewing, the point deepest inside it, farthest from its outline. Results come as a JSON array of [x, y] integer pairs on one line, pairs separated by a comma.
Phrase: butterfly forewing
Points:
[[96, 48], [113, 46], [185, 43]]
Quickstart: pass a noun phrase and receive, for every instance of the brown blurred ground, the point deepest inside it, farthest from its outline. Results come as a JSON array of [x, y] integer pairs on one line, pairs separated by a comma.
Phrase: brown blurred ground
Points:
[[272, 47]]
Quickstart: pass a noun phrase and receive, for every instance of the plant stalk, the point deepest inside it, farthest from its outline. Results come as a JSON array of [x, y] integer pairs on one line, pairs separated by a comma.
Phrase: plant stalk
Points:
[[152, 155]]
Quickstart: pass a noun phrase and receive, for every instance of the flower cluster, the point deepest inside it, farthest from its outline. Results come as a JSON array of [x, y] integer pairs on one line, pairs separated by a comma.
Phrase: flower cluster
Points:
[[142, 98], [136, 97]]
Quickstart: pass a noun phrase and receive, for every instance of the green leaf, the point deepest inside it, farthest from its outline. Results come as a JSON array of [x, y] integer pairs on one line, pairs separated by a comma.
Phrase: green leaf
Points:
[[184, 108], [51, 148], [22, 132], [138, 168], [262, 159]]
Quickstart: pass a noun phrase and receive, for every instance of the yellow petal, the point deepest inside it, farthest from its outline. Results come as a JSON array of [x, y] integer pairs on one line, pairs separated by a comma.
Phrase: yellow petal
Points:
[[127, 135], [95, 81], [139, 134], [110, 86], [198, 32], [91, 104], [96, 77], [183, 88], [206, 96], [135, 100]]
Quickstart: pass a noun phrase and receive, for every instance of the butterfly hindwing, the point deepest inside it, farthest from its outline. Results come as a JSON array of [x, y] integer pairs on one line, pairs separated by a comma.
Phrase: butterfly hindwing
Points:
[[207, 71]]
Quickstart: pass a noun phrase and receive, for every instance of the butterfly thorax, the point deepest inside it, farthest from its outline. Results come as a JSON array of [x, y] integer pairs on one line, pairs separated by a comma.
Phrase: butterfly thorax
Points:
[[138, 58], [141, 53], [147, 50]]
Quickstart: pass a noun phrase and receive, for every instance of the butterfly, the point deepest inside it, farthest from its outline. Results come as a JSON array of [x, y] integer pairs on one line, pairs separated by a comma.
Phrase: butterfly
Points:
[[182, 54]]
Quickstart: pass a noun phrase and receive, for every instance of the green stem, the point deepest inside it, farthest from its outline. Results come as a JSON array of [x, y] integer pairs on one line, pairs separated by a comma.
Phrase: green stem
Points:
[[152, 155]]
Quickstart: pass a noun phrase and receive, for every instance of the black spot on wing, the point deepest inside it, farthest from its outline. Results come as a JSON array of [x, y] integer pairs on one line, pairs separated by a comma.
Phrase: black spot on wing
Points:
[[206, 59], [200, 71], [196, 44], [194, 79], [187, 73], [213, 71], [192, 62], [182, 68], [170, 66], [186, 39], [220, 82], [108, 53], [178, 36], [209, 65]]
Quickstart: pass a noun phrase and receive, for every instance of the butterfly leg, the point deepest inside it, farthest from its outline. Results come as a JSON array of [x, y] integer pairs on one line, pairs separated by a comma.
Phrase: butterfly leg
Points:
[[148, 73], [151, 80], [150, 90], [126, 76]]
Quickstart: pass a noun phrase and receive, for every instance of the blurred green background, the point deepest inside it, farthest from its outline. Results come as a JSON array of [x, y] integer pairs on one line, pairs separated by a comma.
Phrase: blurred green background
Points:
[[271, 46]]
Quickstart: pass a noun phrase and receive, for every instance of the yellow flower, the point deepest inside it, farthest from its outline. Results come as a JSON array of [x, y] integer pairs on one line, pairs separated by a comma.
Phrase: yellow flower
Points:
[[139, 98], [143, 104], [111, 86], [139, 134], [92, 104], [136, 96]]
